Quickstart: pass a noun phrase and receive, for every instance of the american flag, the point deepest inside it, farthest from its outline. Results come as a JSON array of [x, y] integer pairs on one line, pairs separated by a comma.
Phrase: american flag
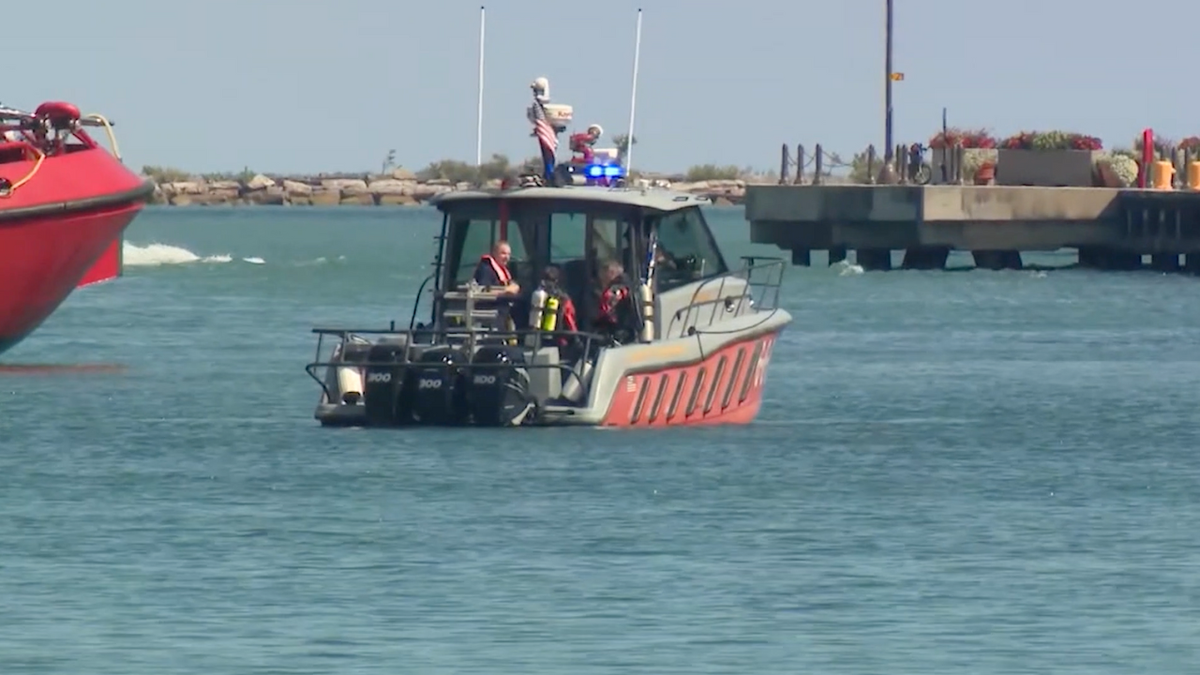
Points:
[[543, 130]]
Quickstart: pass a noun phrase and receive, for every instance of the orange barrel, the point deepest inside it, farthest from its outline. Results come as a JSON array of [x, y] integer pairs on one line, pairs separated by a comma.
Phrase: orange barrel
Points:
[[1193, 175], [1163, 173]]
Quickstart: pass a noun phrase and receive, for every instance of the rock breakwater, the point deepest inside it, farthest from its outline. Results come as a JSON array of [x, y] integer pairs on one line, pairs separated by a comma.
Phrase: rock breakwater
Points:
[[400, 188]]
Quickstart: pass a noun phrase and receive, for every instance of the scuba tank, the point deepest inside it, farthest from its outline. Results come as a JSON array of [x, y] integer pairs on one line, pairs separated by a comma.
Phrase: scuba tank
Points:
[[537, 304], [577, 381], [647, 301], [550, 316]]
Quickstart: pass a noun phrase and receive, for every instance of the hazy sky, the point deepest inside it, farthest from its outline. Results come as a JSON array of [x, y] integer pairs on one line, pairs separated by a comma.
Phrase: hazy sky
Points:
[[319, 86]]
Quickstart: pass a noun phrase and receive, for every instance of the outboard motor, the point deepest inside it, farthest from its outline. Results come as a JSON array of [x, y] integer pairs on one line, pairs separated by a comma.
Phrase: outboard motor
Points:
[[499, 387], [437, 397], [349, 379], [384, 398]]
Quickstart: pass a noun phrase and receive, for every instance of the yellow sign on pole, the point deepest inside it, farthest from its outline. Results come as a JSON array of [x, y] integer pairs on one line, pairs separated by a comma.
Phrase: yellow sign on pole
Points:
[[897, 77]]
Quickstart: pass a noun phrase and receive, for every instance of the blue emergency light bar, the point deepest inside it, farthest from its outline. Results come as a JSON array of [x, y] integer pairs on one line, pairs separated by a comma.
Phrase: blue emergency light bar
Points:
[[605, 171]]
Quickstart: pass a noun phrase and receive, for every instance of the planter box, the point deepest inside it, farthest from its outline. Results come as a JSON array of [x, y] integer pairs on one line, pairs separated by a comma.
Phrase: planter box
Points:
[[1046, 168], [935, 166]]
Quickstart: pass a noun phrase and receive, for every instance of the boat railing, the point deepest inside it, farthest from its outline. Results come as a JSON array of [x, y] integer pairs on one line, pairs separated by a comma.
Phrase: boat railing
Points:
[[579, 346], [412, 321], [46, 130], [762, 281]]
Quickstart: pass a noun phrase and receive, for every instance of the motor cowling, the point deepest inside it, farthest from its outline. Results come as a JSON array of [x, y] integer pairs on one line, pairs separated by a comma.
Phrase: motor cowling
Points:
[[499, 387], [385, 382], [437, 394]]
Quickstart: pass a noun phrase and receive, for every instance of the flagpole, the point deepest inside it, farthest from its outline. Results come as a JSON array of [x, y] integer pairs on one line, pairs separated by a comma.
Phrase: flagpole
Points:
[[479, 120], [887, 85], [637, 51]]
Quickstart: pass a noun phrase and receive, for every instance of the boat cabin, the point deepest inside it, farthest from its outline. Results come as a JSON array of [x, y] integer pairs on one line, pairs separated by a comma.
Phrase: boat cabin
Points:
[[579, 230]]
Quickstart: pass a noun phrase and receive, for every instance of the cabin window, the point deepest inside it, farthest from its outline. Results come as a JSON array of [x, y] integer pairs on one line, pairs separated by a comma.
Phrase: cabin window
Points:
[[568, 250], [474, 237], [687, 249], [568, 237], [611, 241], [579, 243]]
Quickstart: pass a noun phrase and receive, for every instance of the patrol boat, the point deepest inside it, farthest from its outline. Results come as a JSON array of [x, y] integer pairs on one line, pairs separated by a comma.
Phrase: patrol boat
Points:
[[699, 338]]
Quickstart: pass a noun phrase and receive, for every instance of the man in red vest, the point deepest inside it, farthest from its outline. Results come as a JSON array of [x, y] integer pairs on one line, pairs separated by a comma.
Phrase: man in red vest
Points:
[[615, 317], [493, 269]]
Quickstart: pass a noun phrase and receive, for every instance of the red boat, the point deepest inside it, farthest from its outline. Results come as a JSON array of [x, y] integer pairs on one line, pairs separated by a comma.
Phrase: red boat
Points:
[[64, 203]]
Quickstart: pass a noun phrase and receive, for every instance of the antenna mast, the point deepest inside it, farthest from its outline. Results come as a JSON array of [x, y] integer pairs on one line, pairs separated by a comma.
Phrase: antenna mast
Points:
[[637, 51], [479, 120]]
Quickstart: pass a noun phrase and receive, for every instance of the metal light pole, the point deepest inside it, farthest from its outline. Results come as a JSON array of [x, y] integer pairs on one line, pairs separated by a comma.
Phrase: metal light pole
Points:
[[887, 88]]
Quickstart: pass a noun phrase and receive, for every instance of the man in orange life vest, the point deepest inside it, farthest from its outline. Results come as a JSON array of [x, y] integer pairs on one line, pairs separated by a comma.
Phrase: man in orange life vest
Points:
[[493, 269]]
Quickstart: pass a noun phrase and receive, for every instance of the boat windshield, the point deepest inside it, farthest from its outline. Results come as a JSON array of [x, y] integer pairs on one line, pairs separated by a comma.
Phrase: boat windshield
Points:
[[472, 237], [687, 249]]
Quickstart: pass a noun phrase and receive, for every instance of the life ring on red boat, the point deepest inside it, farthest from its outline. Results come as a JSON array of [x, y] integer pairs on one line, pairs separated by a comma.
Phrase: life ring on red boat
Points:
[[58, 111]]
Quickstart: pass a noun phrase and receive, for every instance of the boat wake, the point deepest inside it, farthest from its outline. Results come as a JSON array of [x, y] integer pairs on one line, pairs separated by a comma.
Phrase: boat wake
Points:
[[846, 269], [157, 255]]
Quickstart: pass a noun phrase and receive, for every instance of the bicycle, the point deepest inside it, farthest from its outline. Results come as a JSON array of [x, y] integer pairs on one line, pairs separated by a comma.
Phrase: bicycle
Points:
[[919, 171]]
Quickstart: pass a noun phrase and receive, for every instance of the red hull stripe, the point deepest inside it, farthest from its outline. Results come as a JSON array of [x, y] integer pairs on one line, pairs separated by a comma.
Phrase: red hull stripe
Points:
[[725, 388]]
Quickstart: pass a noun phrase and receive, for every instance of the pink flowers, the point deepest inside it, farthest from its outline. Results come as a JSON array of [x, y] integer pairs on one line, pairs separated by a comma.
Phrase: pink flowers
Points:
[[1051, 140], [967, 138]]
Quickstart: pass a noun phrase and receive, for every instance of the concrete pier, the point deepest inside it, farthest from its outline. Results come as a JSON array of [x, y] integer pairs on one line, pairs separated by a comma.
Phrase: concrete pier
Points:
[[1111, 228]]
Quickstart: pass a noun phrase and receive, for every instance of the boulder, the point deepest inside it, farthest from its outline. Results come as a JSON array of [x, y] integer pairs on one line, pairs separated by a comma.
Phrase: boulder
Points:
[[323, 196], [224, 190], [346, 186], [362, 199], [185, 187], [212, 199], [269, 196], [397, 200], [297, 189], [403, 174], [260, 182], [391, 186], [425, 191]]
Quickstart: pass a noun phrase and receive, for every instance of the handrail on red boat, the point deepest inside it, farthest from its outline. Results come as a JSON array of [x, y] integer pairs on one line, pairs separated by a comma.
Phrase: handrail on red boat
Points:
[[43, 133]]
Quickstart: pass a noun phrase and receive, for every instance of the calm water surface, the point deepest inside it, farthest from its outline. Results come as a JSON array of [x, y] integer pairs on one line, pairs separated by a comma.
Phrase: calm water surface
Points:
[[977, 472]]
